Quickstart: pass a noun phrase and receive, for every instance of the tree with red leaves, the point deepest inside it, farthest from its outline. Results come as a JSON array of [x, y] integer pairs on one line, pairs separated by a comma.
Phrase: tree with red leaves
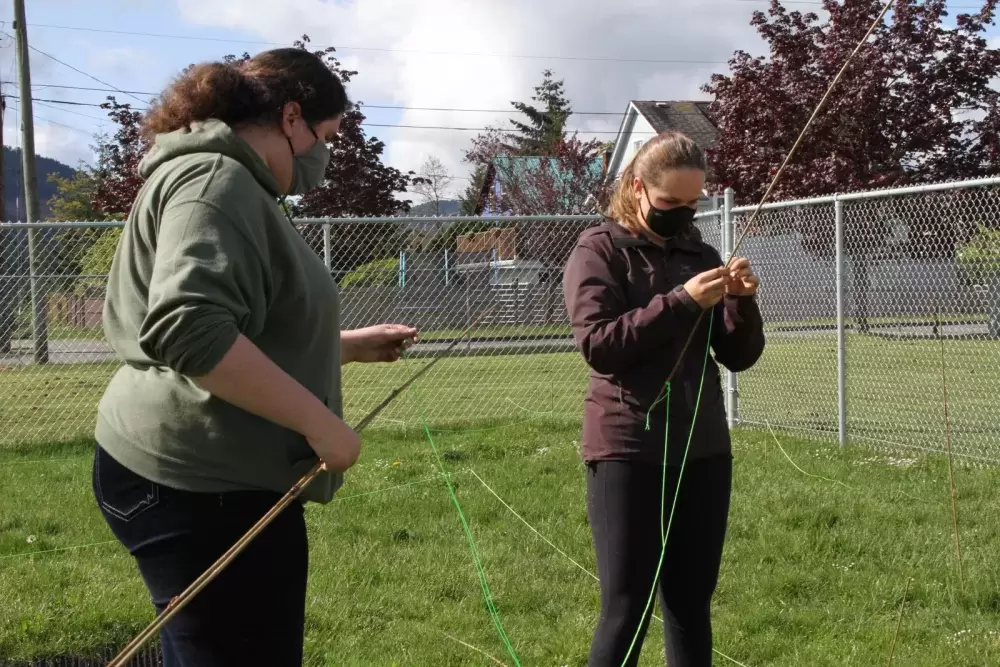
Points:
[[905, 111], [357, 183], [117, 170], [915, 106], [537, 170], [540, 170], [567, 180]]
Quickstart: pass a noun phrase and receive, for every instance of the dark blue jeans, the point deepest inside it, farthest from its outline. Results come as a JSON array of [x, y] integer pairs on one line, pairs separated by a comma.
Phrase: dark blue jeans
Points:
[[253, 613]]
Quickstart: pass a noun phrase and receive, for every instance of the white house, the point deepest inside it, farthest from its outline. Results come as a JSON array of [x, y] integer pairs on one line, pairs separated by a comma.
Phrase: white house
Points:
[[645, 119]]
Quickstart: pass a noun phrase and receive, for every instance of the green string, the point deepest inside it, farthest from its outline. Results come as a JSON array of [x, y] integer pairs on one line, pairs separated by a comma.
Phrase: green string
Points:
[[665, 532], [476, 557]]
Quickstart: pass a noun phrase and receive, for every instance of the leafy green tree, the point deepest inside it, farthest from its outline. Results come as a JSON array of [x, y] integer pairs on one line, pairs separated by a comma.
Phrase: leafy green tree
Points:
[[546, 124], [470, 196]]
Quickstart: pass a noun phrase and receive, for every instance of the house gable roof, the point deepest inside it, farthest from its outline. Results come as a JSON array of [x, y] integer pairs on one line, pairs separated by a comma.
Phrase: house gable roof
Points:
[[506, 165], [691, 118]]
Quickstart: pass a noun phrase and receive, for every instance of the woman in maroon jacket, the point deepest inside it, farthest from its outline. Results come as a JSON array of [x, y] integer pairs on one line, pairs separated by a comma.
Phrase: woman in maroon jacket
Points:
[[634, 288]]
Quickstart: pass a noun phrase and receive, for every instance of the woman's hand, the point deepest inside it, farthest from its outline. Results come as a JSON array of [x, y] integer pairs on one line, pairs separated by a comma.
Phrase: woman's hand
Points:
[[382, 342], [708, 288], [742, 280]]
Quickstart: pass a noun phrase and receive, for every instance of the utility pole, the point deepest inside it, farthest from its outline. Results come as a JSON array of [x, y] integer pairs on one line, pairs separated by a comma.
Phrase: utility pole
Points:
[[38, 305], [7, 285], [3, 193]]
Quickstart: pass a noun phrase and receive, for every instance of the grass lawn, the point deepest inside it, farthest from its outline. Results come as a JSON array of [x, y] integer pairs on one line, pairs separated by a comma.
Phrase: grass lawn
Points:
[[894, 392], [59, 330], [814, 572]]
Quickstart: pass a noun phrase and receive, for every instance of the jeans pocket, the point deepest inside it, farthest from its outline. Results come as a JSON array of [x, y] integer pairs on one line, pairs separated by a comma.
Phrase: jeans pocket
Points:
[[120, 492]]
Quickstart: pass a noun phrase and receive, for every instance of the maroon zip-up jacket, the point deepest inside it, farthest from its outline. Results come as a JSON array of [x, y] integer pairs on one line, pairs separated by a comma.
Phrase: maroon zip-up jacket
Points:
[[631, 316]]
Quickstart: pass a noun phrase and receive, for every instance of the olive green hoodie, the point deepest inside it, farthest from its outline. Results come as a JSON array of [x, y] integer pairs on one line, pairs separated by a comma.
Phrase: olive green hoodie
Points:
[[207, 254]]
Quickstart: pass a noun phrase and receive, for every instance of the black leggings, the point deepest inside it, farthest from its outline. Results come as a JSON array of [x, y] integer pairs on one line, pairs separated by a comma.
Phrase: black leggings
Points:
[[254, 612], [623, 505]]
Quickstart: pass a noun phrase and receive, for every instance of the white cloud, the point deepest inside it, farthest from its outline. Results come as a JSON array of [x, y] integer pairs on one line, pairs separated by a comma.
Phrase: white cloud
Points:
[[407, 74], [59, 143], [53, 140], [120, 62]]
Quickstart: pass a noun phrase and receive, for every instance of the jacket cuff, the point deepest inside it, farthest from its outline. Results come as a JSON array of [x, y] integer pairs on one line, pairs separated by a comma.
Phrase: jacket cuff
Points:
[[741, 301], [685, 298]]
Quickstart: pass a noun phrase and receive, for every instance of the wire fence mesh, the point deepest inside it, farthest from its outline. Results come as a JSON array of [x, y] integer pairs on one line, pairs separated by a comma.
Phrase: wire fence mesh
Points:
[[149, 656], [907, 259], [919, 295]]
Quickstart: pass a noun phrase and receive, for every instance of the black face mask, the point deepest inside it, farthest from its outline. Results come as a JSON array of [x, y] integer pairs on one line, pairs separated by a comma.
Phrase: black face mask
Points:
[[668, 222]]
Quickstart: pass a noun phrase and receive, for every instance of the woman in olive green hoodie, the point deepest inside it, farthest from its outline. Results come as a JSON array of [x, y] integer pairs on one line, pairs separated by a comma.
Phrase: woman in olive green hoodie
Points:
[[229, 327]]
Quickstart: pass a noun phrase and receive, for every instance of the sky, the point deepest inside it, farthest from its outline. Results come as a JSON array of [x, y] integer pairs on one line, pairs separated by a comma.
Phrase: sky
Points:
[[466, 55]]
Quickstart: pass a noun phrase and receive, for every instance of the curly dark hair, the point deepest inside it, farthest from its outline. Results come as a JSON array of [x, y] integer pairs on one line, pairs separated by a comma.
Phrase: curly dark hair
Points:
[[250, 92]]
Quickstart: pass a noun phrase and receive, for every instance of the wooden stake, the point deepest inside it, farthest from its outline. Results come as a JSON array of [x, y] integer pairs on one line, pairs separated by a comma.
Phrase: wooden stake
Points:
[[179, 602], [951, 467], [899, 622]]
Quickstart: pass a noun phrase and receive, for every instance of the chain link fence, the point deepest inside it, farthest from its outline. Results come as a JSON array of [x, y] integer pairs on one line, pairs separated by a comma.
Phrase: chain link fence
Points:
[[872, 300], [498, 281], [853, 288]]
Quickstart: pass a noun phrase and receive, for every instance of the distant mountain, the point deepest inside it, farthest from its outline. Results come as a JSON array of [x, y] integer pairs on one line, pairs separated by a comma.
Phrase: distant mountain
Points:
[[448, 207], [13, 197]]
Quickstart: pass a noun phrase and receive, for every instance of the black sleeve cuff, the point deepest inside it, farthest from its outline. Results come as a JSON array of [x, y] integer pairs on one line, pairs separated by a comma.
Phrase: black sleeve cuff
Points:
[[685, 298]]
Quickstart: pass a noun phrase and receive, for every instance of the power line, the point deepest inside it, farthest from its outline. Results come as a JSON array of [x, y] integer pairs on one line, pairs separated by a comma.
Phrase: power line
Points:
[[103, 90], [366, 124], [51, 104], [385, 49], [49, 121], [817, 2], [408, 108], [363, 106], [486, 129], [66, 102], [79, 71], [55, 122]]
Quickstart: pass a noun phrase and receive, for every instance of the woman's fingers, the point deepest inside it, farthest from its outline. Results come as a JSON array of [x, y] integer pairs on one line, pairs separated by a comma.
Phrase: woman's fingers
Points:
[[740, 268], [717, 283], [739, 264]]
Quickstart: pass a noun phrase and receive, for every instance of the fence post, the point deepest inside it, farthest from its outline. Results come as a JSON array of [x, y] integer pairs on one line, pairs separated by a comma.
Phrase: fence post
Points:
[[446, 272], [327, 248], [517, 301], [838, 210], [729, 241]]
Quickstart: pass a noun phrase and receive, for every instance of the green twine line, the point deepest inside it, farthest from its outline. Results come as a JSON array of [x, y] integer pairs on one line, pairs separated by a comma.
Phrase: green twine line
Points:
[[664, 533], [476, 557]]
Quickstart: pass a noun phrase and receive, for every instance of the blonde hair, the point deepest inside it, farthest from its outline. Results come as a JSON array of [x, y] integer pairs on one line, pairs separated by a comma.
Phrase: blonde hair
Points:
[[666, 151]]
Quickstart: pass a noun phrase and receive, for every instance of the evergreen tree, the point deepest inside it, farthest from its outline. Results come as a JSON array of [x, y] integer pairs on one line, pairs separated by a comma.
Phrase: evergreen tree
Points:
[[543, 132], [470, 197]]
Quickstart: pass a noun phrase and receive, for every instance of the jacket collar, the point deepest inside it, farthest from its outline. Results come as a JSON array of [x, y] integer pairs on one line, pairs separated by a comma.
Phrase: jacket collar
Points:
[[623, 238]]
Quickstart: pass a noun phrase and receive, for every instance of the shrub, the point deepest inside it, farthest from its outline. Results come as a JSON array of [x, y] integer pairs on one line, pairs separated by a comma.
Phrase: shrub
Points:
[[379, 273]]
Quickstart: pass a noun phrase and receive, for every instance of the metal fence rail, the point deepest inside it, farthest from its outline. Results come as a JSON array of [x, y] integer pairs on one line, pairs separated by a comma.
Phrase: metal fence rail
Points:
[[852, 288]]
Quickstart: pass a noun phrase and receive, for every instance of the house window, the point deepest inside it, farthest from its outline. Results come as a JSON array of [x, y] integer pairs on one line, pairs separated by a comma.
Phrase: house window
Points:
[[637, 145]]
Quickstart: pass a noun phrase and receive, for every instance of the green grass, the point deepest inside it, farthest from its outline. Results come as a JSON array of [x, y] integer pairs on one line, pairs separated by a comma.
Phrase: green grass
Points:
[[813, 572], [894, 392], [895, 320], [60, 330], [54, 403], [500, 331]]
